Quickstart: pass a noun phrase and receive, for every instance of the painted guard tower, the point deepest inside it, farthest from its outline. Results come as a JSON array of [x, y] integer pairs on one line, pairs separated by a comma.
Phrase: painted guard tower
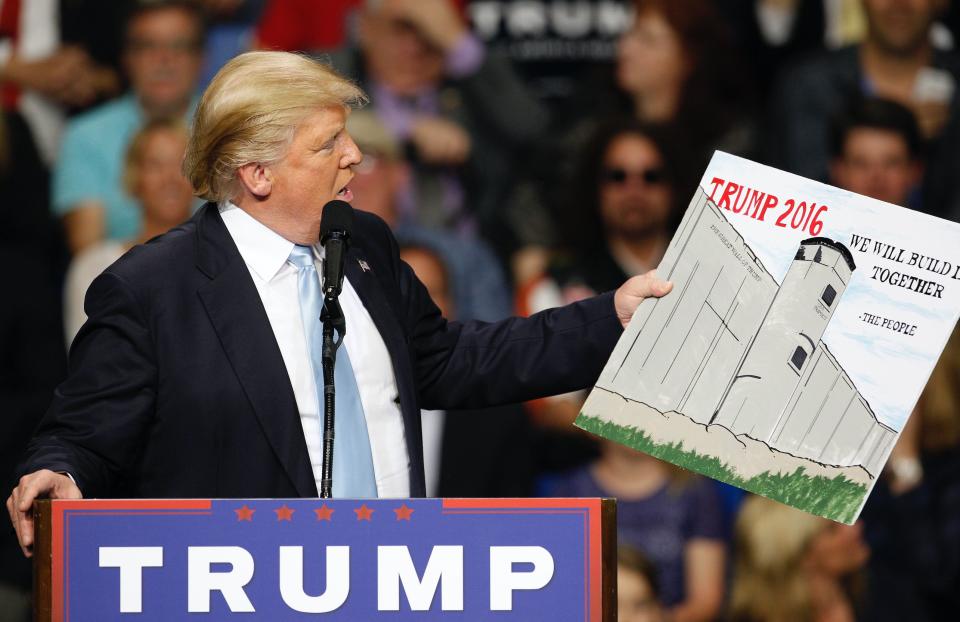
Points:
[[775, 362]]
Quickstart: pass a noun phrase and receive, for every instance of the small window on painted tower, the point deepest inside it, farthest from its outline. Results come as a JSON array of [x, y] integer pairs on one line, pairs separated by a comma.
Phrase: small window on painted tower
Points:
[[829, 295], [799, 358]]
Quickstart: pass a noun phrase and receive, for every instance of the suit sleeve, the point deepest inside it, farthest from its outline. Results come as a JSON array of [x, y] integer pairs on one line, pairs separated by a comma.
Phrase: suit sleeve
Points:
[[479, 364], [96, 424]]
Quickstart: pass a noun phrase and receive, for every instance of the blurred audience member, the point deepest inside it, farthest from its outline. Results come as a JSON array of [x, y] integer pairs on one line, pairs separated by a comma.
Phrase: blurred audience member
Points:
[[461, 112], [559, 47], [97, 27], [912, 518], [618, 215], [230, 31], [304, 25], [32, 360], [677, 65], [638, 599], [32, 364], [152, 177], [771, 33], [896, 61], [24, 209], [875, 150], [478, 286], [619, 208], [675, 517], [475, 453], [790, 565], [162, 56], [40, 75]]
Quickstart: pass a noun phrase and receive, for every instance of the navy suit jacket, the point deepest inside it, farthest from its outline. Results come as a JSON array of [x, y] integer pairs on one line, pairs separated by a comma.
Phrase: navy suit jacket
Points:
[[177, 387]]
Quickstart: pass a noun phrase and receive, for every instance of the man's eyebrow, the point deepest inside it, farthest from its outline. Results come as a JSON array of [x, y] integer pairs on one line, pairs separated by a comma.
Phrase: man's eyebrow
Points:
[[325, 138]]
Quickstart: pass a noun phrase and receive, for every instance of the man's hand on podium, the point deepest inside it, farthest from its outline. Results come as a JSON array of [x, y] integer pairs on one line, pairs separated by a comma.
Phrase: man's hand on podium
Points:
[[634, 290], [20, 502]]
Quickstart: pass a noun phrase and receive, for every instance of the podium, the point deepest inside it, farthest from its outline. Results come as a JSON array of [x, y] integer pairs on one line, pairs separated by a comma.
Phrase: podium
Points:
[[349, 560]]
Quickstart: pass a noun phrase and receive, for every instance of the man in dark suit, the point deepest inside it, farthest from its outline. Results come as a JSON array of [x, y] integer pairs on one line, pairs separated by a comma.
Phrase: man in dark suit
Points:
[[196, 373]]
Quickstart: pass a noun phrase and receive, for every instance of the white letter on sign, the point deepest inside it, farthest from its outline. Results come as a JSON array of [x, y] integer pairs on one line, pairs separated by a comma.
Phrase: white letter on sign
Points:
[[291, 580], [394, 566], [503, 580], [131, 560], [201, 580]]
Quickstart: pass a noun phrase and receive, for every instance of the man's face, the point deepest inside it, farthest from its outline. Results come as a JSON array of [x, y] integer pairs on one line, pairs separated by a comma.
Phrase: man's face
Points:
[[397, 54], [163, 59], [316, 168], [635, 196], [876, 163], [900, 26]]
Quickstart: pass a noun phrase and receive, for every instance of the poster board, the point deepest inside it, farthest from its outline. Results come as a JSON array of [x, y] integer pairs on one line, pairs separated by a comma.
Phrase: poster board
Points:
[[802, 327]]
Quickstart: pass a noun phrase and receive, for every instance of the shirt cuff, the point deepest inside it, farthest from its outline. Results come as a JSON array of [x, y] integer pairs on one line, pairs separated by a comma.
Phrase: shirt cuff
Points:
[[465, 58]]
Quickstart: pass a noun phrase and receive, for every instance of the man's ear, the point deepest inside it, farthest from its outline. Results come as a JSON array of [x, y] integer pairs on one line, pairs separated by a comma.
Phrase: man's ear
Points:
[[257, 179]]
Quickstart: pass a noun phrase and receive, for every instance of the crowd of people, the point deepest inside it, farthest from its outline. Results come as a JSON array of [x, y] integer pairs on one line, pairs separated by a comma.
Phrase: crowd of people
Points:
[[526, 155]]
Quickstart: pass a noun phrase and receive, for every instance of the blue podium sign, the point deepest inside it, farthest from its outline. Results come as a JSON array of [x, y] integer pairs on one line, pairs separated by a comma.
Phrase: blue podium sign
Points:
[[293, 559]]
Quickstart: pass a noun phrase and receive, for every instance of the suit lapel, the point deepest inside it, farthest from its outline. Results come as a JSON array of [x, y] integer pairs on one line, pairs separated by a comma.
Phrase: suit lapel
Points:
[[237, 314], [361, 275]]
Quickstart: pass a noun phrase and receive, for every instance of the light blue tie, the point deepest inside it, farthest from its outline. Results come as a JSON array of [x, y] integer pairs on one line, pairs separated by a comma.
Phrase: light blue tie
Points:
[[353, 475]]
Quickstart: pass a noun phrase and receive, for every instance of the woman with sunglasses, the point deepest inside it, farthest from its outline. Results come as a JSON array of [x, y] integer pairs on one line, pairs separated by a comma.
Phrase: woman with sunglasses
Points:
[[675, 67], [615, 214], [618, 215], [621, 213]]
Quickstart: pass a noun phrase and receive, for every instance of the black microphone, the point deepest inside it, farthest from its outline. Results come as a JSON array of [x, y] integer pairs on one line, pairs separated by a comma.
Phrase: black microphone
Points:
[[336, 226]]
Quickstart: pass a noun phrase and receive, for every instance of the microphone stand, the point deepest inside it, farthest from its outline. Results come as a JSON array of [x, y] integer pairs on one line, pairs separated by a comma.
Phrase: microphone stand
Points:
[[332, 318]]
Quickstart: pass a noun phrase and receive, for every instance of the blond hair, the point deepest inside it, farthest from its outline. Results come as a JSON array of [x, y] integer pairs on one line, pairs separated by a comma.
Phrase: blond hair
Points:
[[133, 158], [249, 114], [771, 542]]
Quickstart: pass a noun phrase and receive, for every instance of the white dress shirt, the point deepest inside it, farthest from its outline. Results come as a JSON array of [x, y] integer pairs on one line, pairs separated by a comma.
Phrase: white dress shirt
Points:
[[432, 423], [265, 253]]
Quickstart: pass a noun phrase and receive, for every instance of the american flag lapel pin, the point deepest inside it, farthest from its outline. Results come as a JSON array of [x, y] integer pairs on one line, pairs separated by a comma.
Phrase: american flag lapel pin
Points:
[[364, 265]]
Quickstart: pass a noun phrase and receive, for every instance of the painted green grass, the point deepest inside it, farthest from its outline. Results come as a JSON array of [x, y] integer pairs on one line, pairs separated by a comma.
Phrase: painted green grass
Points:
[[837, 499]]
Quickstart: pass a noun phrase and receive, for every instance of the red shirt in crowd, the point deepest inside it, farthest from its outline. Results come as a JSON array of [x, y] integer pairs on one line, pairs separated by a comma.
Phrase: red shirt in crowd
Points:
[[303, 25]]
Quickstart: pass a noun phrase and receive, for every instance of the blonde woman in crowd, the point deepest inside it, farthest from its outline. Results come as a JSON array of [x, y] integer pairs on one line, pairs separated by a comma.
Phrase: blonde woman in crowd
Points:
[[638, 593], [790, 566], [152, 176]]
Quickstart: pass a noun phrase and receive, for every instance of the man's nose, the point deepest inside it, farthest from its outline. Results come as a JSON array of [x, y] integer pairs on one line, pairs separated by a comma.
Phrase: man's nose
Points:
[[352, 155]]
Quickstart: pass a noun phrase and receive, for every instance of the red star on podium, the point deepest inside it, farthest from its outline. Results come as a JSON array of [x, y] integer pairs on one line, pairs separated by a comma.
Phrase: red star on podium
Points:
[[244, 513], [323, 512], [403, 512], [284, 513], [363, 512]]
